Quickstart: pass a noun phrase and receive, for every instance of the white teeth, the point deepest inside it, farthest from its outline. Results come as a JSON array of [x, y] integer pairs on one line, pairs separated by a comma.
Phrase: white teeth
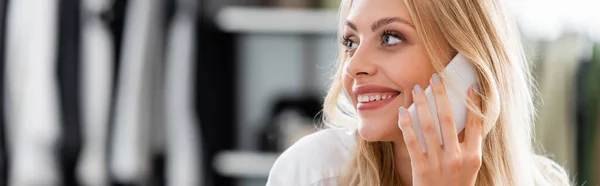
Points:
[[364, 99]]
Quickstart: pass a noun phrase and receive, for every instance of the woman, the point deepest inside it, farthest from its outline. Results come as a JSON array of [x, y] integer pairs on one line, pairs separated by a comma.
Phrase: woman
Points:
[[390, 50]]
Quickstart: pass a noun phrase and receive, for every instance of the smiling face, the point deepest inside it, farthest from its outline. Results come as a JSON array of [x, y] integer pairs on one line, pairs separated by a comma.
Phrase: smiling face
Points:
[[384, 60]]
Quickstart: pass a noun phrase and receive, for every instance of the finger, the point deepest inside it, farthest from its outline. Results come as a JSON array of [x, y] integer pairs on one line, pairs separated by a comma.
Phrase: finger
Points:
[[427, 124], [474, 125], [444, 113], [410, 138]]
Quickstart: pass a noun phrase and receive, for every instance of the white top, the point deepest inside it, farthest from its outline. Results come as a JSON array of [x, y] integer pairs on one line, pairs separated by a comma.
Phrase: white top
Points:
[[315, 160]]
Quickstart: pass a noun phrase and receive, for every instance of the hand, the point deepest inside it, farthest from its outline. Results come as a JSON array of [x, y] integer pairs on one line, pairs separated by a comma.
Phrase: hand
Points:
[[454, 163]]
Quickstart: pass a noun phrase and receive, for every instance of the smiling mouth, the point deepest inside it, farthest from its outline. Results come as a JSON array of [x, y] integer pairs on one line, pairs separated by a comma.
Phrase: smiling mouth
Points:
[[371, 96], [372, 101]]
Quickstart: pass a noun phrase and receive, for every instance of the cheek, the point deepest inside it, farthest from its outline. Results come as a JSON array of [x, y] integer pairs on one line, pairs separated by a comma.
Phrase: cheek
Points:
[[409, 69], [347, 82]]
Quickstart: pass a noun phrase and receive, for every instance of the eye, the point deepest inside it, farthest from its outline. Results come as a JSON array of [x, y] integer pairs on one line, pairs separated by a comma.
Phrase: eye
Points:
[[390, 39], [349, 44]]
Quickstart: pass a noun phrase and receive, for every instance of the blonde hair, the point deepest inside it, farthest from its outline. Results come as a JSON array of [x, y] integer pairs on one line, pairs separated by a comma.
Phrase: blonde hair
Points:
[[481, 31]]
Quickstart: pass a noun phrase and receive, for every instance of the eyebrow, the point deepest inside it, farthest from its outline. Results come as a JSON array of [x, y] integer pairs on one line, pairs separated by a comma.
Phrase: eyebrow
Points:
[[380, 23], [384, 21], [351, 25]]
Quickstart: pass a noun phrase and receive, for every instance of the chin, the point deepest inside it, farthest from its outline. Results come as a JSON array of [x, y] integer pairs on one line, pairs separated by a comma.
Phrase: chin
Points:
[[379, 129]]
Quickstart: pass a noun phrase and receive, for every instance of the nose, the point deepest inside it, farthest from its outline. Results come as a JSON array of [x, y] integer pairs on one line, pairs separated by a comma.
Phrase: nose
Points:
[[360, 64]]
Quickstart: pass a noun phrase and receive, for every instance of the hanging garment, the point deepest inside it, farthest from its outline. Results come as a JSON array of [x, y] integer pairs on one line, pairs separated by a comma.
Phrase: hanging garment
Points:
[[555, 127], [3, 140], [96, 87], [68, 83], [182, 131], [217, 115], [135, 110], [115, 19], [32, 110]]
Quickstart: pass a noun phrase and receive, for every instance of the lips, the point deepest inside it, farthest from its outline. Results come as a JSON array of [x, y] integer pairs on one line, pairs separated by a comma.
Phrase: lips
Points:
[[372, 97]]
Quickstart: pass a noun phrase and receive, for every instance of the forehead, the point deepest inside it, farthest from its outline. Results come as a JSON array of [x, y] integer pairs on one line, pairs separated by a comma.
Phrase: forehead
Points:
[[365, 12]]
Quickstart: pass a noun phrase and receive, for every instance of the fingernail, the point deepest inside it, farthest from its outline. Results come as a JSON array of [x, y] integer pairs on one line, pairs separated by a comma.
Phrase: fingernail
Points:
[[435, 78], [476, 87], [417, 89], [402, 111]]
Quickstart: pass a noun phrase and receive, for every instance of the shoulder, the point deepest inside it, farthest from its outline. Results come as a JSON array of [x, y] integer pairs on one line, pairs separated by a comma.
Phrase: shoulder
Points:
[[315, 157]]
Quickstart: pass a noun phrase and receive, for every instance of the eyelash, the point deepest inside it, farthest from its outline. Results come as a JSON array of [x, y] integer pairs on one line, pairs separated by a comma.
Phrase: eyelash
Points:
[[346, 39], [394, 34]]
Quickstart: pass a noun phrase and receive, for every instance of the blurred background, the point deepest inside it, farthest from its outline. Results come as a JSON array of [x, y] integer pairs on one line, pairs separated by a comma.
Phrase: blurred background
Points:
[[210, 92]]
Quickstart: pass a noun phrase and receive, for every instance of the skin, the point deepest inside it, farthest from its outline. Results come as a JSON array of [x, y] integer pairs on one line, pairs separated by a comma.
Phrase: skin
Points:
[[393, 56]]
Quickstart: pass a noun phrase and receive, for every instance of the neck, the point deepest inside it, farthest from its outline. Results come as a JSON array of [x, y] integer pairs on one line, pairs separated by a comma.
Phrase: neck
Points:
[[402, 162]]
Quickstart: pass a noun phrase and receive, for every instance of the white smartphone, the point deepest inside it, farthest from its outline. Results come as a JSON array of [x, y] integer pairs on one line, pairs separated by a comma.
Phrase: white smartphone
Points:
[[458, 76]]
